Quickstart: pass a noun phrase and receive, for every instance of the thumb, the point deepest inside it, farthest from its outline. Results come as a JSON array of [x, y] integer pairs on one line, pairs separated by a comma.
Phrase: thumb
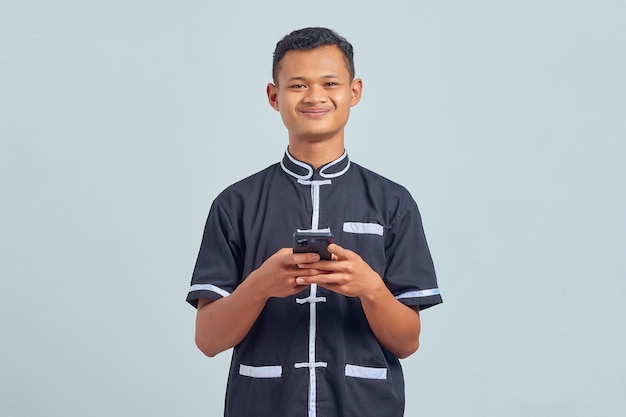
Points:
[[338, 252]]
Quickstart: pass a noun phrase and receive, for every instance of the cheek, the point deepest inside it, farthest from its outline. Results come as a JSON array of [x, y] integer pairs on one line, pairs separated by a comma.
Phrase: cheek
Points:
[[344, 100], [285, 117], [288, 117], [344, 105]]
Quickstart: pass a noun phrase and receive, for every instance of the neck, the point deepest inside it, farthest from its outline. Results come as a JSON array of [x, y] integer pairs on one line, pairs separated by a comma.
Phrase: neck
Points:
[[316, 153]]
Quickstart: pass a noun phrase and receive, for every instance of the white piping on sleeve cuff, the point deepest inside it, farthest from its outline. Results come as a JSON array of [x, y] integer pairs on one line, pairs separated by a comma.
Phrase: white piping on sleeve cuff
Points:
[[419, 294], [209, 287]]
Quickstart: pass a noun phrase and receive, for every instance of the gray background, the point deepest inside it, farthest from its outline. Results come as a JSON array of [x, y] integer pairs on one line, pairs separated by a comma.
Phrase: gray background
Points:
[[120, 121]]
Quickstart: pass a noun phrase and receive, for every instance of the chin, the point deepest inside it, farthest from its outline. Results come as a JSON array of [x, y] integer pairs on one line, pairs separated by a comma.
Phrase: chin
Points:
[[313, 137]]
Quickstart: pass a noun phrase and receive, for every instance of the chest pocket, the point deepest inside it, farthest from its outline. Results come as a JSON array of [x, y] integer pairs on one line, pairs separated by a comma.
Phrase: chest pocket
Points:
[[366, 239], [363, 228]]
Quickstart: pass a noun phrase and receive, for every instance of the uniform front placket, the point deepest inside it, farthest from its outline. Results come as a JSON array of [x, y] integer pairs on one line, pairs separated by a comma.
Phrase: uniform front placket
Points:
[[307, 179], [312, 301]]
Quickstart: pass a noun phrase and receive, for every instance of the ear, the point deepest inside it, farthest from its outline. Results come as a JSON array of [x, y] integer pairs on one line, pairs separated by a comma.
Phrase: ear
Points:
[[272, 95], [357, 89]]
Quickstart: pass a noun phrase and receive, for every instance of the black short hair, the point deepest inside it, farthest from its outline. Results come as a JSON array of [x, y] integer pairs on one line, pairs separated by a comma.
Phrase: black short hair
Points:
[[310, 38]]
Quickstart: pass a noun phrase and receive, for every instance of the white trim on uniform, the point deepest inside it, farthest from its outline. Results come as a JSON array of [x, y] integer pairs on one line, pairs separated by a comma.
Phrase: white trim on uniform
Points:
[[300, 164], [209, 287], [315, 199], [275, 371], [366, 372], [312, 299], [363, 228], [418, 294], [325, 230], [335, 162]]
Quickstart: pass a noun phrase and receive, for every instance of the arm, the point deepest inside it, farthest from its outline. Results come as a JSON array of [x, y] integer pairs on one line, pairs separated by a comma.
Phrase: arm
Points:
[[395, 325], [223, 323]]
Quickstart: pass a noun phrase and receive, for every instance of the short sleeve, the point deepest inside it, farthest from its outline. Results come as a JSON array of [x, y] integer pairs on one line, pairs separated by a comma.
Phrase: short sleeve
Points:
[[218, 267], [410, 272]]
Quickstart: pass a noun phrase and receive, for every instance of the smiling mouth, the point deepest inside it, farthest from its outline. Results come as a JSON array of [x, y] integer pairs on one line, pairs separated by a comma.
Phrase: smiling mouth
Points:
[[314, 112]]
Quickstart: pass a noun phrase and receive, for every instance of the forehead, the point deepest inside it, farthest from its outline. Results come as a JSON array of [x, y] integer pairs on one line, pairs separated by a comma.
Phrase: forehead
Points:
[[318, 62]]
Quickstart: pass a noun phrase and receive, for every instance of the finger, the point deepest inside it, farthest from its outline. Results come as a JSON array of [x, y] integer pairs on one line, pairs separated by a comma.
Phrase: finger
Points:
[[305, 258], [338, 251], [322, 279], [322, 267], [306, 271]]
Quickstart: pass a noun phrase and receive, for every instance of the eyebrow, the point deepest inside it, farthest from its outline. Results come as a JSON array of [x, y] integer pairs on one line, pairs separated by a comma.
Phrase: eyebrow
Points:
[[301, 78]]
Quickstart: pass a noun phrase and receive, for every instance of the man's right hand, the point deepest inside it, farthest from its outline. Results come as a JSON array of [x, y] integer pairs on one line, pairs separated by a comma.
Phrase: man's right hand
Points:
[[276, 277], [223, 323]]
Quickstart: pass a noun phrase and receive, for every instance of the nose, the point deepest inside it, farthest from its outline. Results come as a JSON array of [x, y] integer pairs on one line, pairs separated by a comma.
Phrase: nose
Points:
[[314, 94]]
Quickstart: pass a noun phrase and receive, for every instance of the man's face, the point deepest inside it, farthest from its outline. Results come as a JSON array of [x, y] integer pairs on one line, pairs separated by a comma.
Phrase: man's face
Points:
[[314, 93]]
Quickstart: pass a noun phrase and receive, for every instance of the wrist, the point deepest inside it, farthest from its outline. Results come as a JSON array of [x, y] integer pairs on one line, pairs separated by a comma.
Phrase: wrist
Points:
[[376, 291], [254, 289]]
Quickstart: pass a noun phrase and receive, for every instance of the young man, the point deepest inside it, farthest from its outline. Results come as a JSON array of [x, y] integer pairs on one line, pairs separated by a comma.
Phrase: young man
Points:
[[313, 337]]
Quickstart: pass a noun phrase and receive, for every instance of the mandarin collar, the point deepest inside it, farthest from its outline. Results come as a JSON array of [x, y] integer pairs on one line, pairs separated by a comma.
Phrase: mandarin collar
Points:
[[303, 171]]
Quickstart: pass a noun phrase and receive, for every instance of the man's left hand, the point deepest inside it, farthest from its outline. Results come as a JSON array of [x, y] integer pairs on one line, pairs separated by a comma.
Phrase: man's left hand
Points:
[[347, 273]]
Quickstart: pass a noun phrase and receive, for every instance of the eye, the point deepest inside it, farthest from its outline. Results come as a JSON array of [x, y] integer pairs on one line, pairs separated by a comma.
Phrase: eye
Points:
[[296, 86], [331, 84]]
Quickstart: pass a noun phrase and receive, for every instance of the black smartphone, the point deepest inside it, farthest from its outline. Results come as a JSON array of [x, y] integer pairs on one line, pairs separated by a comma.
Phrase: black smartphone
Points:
[[317, 242]]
